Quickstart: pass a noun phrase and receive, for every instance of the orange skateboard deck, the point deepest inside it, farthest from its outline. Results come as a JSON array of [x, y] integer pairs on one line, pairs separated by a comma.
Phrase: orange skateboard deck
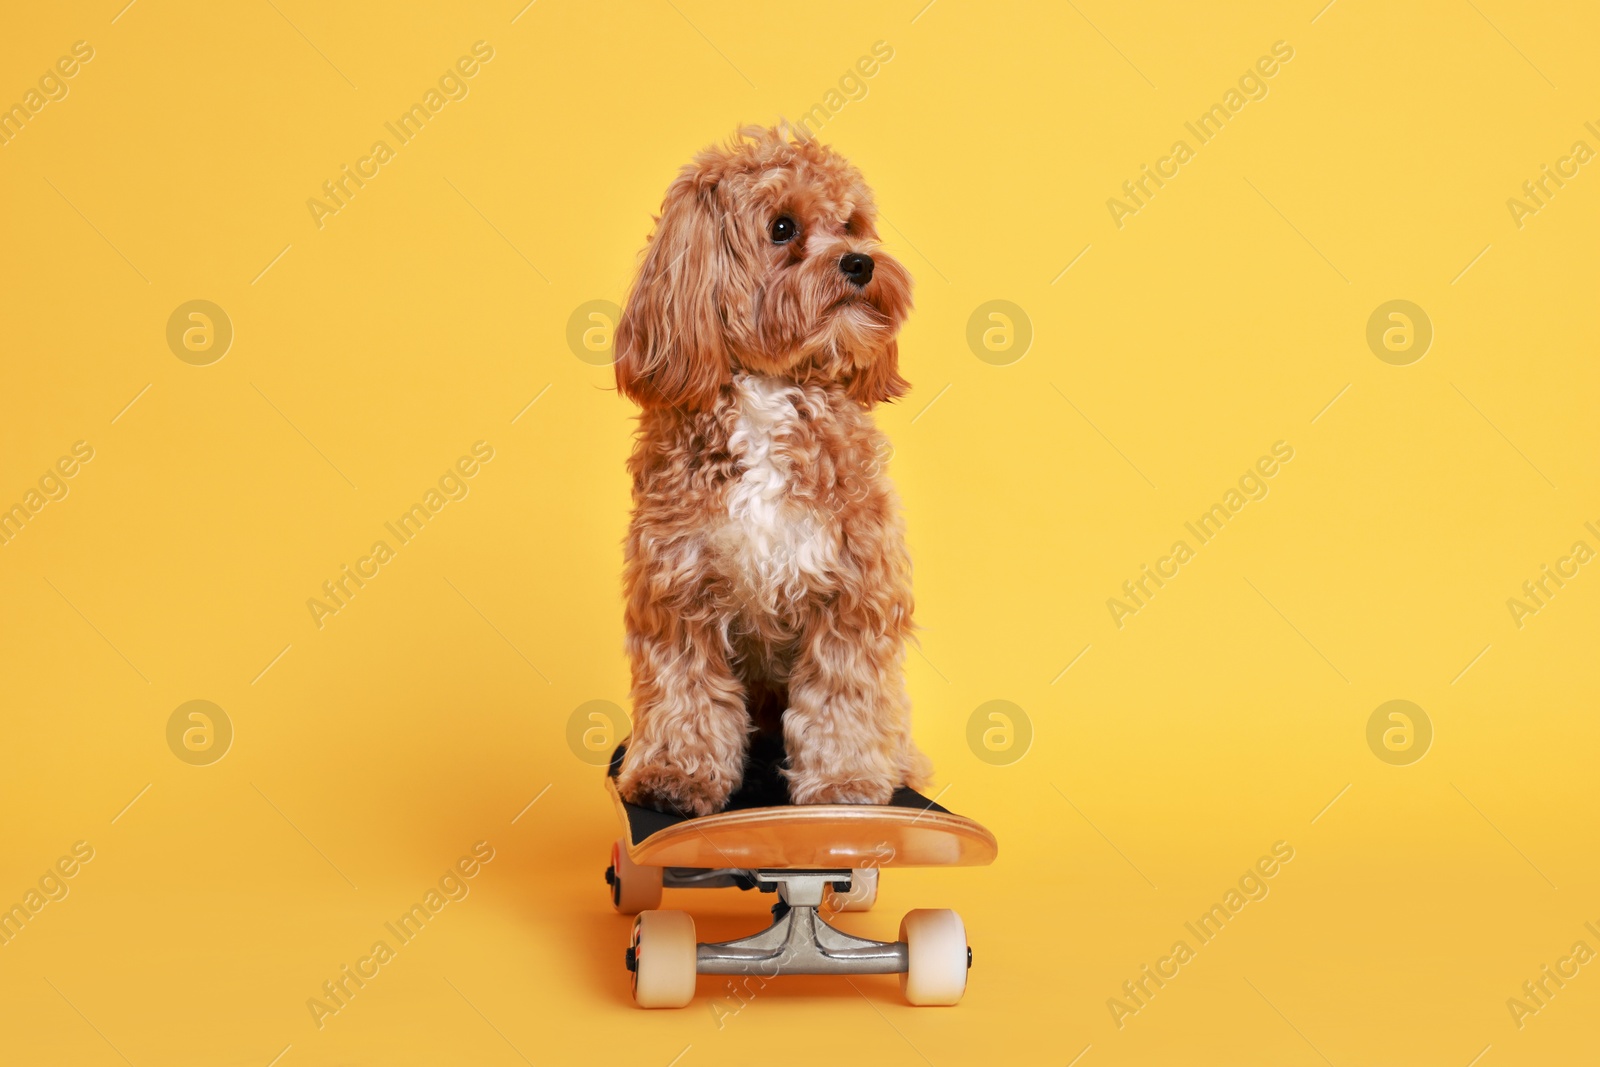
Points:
[[811, 836], [817, 858]]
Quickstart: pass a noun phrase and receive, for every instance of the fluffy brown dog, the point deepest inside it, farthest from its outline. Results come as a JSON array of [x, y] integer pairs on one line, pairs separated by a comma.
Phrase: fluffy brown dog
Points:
[[766, 562]]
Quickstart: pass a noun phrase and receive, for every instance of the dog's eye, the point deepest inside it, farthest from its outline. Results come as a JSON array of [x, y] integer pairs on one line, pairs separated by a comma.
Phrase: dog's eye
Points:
[[783, 229]]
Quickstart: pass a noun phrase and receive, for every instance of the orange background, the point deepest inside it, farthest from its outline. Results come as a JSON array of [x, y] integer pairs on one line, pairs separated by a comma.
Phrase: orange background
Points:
[[1230, 712]]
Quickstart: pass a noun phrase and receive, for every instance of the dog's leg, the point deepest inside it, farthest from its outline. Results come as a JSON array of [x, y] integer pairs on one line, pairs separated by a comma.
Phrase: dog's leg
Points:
[[690, 726], [848, 727]]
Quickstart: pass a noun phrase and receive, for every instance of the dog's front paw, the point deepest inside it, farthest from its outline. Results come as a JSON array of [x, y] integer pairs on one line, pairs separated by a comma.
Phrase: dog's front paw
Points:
[[811, 789], [672, 791]]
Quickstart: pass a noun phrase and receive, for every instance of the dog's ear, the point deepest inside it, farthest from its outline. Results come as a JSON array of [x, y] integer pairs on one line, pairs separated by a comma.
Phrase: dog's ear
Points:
[[879, 381], [670, 345]]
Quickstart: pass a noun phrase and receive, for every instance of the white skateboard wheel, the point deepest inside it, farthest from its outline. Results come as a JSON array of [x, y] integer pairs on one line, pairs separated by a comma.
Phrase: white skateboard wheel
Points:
[[663, 951], [633, 888], [863, 891], [936, 944]]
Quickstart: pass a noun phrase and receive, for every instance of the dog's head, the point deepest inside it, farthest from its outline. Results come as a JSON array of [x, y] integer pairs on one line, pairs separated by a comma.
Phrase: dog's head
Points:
[[765, 259]]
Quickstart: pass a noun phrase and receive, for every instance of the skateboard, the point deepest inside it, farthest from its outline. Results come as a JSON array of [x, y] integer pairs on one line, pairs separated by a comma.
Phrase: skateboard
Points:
[[818, 859]]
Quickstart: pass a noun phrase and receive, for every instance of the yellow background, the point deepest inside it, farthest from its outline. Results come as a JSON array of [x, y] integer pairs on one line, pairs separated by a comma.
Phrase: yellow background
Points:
[[427, 714]]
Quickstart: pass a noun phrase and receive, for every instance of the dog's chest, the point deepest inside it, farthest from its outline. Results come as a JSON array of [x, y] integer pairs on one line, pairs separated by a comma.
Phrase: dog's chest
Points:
[[774, 547]]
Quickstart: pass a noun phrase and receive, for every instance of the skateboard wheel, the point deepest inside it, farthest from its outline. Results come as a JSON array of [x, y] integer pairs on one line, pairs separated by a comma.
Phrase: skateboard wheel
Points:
[[633, 888], [863, 892], [936, 947], [663, 951]]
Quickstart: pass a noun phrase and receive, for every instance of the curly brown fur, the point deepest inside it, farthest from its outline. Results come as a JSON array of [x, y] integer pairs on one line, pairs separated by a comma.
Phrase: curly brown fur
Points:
[[766, 559]]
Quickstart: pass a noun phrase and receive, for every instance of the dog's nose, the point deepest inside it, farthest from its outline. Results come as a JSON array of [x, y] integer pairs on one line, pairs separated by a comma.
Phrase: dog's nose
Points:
[[857, 266]]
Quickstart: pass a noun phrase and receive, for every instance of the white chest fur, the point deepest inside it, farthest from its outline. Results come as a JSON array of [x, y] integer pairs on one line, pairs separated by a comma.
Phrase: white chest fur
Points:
[[773, 547]]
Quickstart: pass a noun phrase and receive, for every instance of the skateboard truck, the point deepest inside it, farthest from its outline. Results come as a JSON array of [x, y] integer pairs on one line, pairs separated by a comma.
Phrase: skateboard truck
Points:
[[800, 941], [931, 955]]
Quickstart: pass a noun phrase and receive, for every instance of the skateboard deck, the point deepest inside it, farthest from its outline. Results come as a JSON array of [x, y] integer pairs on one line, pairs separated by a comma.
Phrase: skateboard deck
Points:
[[909, 831], [818, 859]]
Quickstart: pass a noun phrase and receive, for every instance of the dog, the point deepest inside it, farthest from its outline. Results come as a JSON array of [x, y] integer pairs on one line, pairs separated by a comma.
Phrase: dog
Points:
[[767, 583]]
